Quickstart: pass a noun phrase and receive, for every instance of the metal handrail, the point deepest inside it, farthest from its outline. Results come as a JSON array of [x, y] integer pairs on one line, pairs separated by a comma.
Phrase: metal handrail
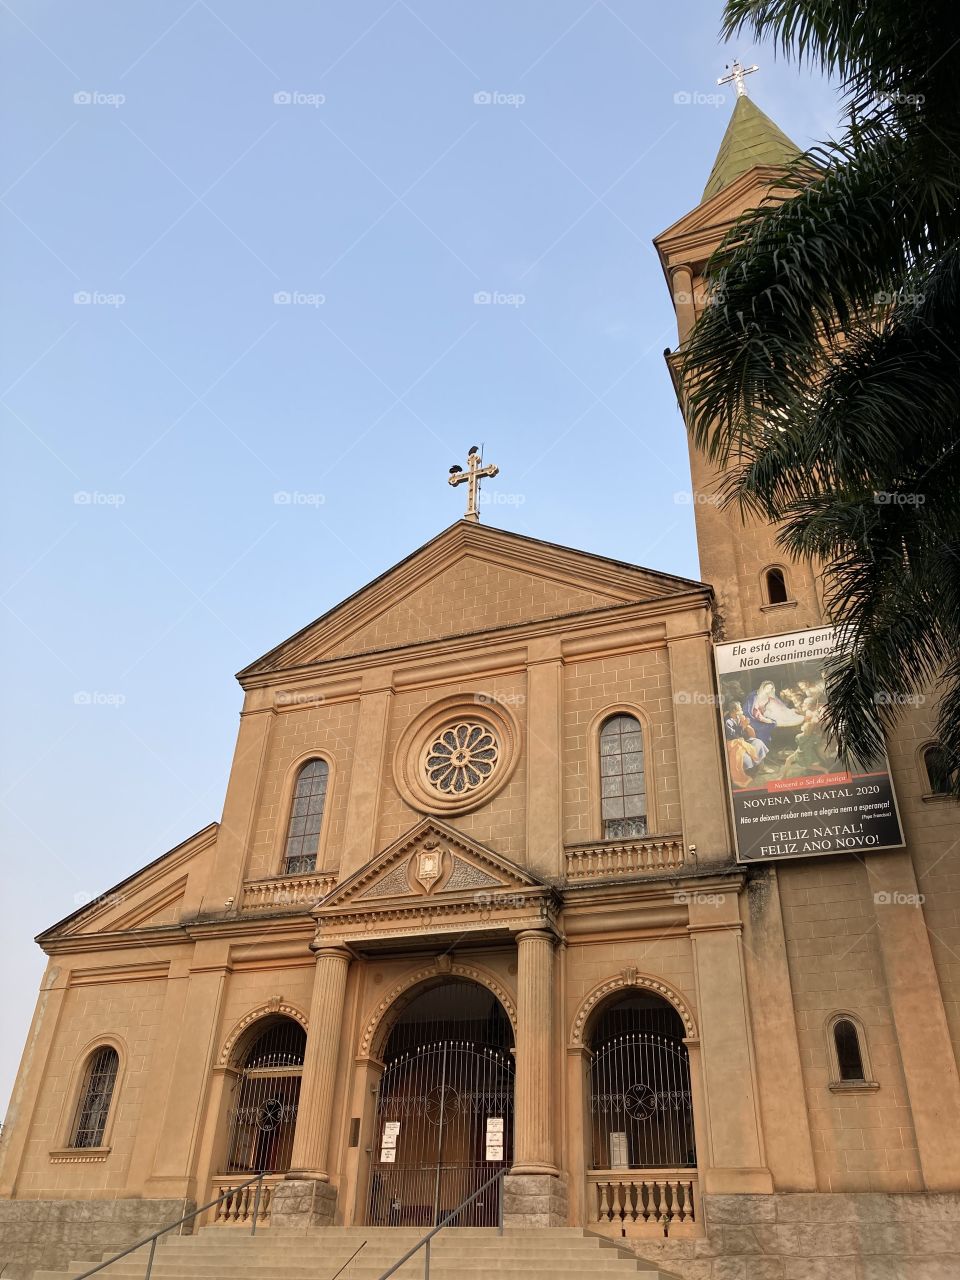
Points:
[[425, 1242], [152, 1240]]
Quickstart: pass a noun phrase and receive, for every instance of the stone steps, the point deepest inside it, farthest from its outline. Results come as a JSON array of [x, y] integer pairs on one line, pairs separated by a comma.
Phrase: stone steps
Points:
[[221, 1253]]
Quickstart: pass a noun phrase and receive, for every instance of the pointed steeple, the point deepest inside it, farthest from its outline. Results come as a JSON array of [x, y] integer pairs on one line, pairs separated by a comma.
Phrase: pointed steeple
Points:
[[751, 139]]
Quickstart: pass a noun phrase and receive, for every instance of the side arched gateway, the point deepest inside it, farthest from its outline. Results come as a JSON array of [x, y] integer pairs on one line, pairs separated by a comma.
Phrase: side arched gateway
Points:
[[444, 1117]]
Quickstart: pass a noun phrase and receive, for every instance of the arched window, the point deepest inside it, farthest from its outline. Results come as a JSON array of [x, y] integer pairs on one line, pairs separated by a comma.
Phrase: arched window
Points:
[[846, 1040], [623, 791], [96, 1093], [938, 771], [306, 818], [266, 1096], [776, 586]]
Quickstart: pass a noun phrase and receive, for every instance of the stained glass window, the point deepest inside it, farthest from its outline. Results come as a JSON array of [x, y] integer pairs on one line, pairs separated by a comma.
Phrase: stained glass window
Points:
[[306, 818], [623, 790], [98, 1082]]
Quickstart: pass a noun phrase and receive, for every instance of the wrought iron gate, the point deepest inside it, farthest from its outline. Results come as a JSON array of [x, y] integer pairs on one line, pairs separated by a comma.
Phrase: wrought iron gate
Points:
[[444, 1126], [266, 1095], [640, 1104]]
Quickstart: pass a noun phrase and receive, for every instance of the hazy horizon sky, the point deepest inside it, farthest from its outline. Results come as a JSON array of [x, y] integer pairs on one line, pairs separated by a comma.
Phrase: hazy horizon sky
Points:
[[245, 337]]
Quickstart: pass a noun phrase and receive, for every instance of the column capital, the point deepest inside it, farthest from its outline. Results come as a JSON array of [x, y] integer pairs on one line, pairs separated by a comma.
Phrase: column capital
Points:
[[331, 950], [536, 935]]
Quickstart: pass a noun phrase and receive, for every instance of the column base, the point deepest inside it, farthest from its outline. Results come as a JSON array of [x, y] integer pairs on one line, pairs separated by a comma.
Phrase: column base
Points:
[[534, 1200], [302, 1203]]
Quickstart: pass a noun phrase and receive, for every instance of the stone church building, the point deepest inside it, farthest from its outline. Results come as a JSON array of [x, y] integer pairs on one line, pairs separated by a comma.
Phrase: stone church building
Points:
[[473, 906]]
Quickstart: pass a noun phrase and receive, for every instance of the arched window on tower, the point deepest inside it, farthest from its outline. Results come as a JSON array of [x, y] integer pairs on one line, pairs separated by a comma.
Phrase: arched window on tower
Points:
[[775, 584], [306, 818], [623, 789], [938, 771], [96, 1094], [846, 1040]]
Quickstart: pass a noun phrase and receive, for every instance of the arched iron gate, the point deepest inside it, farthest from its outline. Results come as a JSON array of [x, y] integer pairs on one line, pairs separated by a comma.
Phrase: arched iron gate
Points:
[[263, 1114], [444, 1126], [641, 1105]]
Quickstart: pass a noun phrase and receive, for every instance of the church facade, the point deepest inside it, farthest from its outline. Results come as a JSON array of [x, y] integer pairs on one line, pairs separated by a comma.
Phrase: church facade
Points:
[[472, 923]]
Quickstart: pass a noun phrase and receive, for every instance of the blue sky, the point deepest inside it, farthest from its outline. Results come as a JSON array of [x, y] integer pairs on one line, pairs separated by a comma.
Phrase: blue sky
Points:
[[195, 469]]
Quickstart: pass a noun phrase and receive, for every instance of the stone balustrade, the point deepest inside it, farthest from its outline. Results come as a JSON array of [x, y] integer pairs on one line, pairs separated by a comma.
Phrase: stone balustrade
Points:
[[661, 1199], [237, 1209], [280, 893], [612, 859]]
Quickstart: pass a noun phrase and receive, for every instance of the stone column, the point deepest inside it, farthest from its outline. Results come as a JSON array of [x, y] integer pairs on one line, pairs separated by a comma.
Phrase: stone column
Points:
[[916, 1001], [737, 1159], [544, 759], [366, 772], [534, 1195], [305, 1198]]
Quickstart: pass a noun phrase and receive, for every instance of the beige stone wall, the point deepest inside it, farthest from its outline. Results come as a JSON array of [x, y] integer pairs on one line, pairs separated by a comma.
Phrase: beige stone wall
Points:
[[862, 1141], [329, 728], [640, 679], [126, 1011]]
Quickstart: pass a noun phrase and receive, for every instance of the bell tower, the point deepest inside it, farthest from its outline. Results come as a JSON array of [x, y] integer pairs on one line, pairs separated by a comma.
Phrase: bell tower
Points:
[[760, 591]]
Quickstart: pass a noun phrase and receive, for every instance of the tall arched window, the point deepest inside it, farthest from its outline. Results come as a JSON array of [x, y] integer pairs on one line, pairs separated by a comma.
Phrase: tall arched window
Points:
[[775, 583], [96, 1094], [306, 818], [623, 790], [267, 1094], [846, 1040]]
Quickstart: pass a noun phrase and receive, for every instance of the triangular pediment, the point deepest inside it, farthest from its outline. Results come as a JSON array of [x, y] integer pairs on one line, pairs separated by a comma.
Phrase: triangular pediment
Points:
[[149, 899], [469, 579], [432, 861]]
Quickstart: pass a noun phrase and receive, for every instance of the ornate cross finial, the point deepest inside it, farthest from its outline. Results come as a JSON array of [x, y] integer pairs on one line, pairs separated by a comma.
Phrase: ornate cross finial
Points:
[[735, 74], [475, 470]]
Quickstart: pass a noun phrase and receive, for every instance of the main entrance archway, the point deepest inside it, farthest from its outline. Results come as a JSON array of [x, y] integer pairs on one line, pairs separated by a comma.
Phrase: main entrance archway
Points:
[[444, 1117]]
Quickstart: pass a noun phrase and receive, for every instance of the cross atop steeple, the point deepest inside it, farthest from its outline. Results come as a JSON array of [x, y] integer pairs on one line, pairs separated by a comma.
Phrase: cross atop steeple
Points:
[[475, 470], [735, 76]]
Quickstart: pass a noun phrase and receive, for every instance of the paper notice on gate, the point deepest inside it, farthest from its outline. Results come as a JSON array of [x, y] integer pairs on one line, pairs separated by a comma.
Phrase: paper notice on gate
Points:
[[494, 1138], [619, 1158], [388, 1155], [391, 1131], [494, 1125]]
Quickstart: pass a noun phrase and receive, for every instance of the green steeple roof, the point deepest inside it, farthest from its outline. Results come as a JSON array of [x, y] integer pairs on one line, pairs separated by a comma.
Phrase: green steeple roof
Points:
[[751, 139]]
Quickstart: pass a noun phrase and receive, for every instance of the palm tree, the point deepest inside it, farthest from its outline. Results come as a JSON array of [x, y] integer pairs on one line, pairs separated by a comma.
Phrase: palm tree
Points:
[[825, 375]]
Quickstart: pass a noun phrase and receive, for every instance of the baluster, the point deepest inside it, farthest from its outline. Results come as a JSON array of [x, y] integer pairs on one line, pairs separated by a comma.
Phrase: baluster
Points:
[[604, 1215], [621, 1202], [663, 1217], [634, 1198], [646, 1198]]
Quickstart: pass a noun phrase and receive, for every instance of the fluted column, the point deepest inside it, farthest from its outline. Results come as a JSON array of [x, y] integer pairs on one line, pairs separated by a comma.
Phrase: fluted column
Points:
[[311, 1141], [533, 1142]]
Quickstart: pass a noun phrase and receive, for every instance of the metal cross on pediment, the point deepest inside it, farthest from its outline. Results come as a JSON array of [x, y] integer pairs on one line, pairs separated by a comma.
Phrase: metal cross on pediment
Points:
[[471, 477], [736, 72]]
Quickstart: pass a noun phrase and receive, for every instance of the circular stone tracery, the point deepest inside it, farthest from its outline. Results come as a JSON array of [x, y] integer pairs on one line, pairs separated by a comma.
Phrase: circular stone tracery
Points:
[[461, 758]]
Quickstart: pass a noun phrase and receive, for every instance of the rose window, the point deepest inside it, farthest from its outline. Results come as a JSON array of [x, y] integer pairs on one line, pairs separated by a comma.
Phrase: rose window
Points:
[[461, 758]]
